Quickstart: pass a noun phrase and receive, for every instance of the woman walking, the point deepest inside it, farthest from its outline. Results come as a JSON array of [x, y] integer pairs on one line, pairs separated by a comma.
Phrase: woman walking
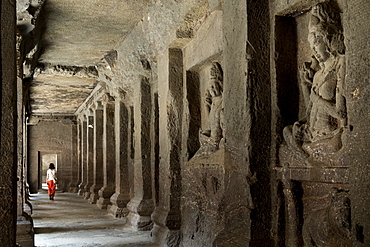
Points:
[[51, 180]]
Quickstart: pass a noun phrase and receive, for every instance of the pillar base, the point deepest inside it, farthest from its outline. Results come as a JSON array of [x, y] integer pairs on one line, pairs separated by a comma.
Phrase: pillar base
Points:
[[81, 189], [140, 223], [119, 203], [25, 233], [87, 195], [87, 192], [140, 213], [81, 192], [94, 196], [159, 234], [118, 212], [72, 188], [105, 194], [103, 203], [166, 228], [27, 207]]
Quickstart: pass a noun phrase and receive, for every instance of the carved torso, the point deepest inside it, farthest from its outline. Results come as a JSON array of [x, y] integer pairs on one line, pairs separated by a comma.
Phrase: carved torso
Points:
[[322, 124]]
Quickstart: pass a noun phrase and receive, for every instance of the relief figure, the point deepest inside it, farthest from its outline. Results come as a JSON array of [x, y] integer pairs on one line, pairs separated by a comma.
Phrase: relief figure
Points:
[[211, 136], [322, 83], [330, 226]]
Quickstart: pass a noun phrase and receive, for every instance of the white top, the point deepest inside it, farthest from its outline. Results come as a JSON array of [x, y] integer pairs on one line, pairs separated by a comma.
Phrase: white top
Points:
[[51, 174]]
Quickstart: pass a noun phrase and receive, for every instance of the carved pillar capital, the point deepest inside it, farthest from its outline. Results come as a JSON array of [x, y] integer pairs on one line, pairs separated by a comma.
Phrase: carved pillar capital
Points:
[[119, 94], [98, 105], [90, 111], [82, 118], [106, 98]]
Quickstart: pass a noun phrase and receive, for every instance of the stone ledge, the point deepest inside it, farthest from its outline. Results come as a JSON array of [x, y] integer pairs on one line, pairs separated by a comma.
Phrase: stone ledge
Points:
[[326, 175]]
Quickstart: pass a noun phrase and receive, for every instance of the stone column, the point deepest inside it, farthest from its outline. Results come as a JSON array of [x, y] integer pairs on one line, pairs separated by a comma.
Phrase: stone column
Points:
[[237, 198], [90, 154], [98, 153], [108, 153], [79, 156], [25, 234], [75, 180], [83, 144], [121, 196], [167, 214], [142, 205], [8, 113]]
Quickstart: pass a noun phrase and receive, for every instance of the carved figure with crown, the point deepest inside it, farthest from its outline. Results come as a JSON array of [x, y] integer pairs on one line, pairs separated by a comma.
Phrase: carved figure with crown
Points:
[[322, 83]]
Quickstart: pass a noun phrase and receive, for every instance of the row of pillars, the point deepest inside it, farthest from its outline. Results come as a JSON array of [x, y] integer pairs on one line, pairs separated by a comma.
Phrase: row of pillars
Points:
[[114, 170]]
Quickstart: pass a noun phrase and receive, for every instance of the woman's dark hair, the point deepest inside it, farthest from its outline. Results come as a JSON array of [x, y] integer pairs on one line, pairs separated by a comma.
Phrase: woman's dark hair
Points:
[[51, 166]]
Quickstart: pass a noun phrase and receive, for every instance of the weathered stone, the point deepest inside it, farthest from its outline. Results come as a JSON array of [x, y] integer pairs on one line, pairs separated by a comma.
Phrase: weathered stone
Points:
[[8, 125], [223, 123]]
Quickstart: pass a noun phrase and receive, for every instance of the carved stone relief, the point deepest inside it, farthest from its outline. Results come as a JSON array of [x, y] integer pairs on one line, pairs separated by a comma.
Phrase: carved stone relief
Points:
[[211, 136], [331, 225], [313, 167], [322, 83]]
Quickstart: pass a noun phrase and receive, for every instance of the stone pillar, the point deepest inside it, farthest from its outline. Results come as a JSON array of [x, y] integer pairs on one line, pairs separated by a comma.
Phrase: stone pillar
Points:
[[75, 171], [98, 153], [25, 234], [142, 205], [121, 196], [90, 154], [259, 99], [167, 214], [8, 113], [237, 198], [79, 156], [108, 153], [83, 144]]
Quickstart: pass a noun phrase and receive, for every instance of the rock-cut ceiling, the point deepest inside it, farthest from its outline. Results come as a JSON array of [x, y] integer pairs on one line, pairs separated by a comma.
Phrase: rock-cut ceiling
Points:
[[75, 37]]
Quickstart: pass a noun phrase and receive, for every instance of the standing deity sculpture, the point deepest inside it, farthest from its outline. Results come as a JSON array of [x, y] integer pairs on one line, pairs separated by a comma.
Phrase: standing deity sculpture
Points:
[[211, 136], [322, 83]]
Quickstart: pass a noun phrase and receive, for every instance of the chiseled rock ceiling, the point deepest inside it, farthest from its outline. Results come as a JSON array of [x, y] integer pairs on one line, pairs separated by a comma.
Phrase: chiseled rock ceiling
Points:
[[77, 36]]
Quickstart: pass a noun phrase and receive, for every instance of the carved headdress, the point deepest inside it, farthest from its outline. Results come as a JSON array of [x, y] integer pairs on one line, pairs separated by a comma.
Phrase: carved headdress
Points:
[[326, 21]]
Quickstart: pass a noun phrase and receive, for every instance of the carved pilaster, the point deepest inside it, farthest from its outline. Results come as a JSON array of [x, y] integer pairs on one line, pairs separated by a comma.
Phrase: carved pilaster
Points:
[[83, 159], [89, 153], [75, 166], [121, 196], [109, 147], [98, 152], [142, 205]]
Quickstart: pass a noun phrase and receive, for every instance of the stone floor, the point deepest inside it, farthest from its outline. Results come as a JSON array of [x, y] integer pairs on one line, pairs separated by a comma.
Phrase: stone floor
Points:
[[71, 221]]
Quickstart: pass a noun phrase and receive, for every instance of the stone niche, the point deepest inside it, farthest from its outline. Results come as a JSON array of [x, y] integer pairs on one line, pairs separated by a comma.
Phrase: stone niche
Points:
[[312, 169], [203, 167], [204, 172]]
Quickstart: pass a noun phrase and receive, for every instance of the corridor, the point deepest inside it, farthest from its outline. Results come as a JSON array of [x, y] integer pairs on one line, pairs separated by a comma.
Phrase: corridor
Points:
[[70, 221]]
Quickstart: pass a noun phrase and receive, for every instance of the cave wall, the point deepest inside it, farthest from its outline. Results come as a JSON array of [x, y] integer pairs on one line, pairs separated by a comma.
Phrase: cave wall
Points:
[[356, 30], [50, 138], [249, 190], [8, 130]]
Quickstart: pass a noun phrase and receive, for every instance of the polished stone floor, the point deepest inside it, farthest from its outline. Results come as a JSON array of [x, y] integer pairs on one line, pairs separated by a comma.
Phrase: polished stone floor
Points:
[[70, 221]]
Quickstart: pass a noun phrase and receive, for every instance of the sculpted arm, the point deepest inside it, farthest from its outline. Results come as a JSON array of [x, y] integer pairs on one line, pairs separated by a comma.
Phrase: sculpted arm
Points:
[[337, 106]]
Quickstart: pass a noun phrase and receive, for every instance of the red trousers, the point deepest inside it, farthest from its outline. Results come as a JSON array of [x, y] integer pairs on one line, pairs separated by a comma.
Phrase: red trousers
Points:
[[51, 188]]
